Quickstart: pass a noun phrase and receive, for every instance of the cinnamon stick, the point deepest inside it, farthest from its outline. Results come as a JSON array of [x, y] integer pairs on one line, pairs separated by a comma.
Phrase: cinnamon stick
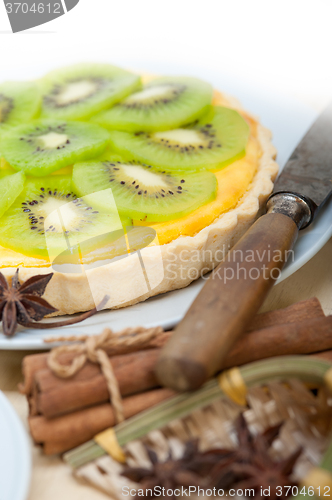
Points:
[[300, 311], [33, 363], [135, 372], [60, 434], [305, 337]]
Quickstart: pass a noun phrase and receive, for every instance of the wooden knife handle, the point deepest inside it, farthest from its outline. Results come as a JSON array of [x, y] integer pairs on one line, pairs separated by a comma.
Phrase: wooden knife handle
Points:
[[231, 296]]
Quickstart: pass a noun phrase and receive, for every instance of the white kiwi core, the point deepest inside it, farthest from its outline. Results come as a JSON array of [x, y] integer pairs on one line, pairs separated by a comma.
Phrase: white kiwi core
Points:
[[180, 136], [52, 140], [140, 174], [58, 215], [149, 93], [76, 91]]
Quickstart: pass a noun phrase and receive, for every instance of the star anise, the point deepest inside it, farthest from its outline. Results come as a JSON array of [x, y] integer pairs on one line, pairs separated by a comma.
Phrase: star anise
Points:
[[172, 474], [22, 304], [251, 467]]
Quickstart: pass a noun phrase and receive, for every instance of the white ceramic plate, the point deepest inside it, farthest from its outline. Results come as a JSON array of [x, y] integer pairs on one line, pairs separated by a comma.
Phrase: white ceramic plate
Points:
[[15, 458], [288, 121]]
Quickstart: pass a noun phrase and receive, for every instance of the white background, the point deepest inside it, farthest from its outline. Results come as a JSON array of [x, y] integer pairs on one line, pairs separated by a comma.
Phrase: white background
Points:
[[283, 45]]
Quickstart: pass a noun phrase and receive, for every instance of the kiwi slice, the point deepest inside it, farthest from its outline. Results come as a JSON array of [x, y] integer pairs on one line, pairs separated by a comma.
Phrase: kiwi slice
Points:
[[163, 103], [5, 168], [48, 219], [11, 187], [212, 142], [144, 192], [44, 146], [19, 103], [77, 92]]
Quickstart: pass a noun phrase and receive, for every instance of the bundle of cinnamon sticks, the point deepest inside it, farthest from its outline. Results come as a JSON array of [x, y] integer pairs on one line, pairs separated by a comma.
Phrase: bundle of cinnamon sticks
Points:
[[67, 412]]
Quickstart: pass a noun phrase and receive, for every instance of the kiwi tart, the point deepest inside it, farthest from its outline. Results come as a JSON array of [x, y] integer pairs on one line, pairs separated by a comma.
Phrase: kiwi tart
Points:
[[124, 185]]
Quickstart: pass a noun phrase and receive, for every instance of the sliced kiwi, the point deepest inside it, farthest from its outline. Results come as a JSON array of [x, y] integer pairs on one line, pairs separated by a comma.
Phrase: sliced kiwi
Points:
[[144, 192], [44, 146], [163, 103], [212, 142], [49, 219], [11, 186], [5, 168], [77, 92], [19, 103]]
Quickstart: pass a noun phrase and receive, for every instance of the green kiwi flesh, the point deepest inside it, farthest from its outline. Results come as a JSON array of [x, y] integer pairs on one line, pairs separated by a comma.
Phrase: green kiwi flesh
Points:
[[19, 103], [143, 192], [214, 141], [77, 92], [11, 186], [44, 146], [54, 220], [162, 104]]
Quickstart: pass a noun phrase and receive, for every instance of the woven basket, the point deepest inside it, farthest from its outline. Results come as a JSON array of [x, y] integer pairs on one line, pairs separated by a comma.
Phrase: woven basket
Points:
[[307, 421]]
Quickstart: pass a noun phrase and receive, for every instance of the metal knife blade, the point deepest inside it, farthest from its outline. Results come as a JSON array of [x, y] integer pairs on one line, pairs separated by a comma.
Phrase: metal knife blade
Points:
[[308, 172]]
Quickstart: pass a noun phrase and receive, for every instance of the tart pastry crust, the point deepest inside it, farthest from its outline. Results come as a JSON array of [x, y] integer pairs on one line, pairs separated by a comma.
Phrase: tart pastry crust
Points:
[[170, 266]]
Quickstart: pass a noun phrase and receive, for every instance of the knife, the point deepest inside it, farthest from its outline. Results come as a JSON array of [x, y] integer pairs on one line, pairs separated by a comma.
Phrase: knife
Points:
[[223, 308]]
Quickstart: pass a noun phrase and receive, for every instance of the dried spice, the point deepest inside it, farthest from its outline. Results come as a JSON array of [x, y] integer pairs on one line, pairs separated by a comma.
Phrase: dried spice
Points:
[[22, 304], [250, 466], [171, 474]]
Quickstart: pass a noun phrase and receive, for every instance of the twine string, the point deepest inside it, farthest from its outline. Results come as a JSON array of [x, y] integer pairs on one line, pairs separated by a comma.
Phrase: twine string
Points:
[[94, 349]]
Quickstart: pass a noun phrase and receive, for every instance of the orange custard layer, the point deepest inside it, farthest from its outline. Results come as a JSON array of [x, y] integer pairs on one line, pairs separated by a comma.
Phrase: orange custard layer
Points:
[[233, 182]]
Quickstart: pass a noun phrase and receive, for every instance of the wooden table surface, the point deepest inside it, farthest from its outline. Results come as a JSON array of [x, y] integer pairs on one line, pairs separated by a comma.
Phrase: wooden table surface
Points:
[[53, 480]]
